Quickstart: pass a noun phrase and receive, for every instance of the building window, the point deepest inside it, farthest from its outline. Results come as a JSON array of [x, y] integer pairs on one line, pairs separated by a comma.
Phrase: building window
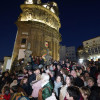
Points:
[[23, 41], [99, 47], [92, 51], [86, 43], [94, 41], [96, 50], [25, 33]]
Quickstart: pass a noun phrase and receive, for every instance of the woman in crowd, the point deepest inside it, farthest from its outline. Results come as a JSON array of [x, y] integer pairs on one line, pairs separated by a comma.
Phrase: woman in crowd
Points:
[[57, 85], [36, 86], [73, 93], [47, 87], [84, 79], [64, 73], [77, 81], [91, 83], [85, 92], [69, 82], [24, 84]]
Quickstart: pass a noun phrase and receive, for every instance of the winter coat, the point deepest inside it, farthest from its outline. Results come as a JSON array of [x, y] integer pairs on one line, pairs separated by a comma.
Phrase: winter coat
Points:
[[36, 87], [78, 82], [25, 87], [47, 90], [30, 79], [7, 97]]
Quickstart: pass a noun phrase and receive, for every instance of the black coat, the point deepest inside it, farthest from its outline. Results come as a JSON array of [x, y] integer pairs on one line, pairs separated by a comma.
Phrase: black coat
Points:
[[78, 82], [30, 79]]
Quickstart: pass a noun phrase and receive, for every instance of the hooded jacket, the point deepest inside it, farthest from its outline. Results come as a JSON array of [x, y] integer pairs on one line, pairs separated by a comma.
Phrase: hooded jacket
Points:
[[47, 90]]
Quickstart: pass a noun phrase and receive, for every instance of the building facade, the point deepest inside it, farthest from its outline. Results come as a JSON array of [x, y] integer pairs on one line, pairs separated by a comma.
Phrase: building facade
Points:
[[71, 53], [38, 27], [62, 53], [92, 48]]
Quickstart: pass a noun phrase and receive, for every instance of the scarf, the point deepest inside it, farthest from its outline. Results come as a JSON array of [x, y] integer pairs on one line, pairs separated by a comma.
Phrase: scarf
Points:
[[56, 86]]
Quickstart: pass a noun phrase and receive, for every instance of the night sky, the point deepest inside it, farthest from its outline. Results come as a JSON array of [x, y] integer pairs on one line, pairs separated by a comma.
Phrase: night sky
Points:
[[80, 20]]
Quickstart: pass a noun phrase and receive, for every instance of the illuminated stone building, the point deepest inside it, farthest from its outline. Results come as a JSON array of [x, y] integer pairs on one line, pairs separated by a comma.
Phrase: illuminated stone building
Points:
[[38, 24], [92, 48]]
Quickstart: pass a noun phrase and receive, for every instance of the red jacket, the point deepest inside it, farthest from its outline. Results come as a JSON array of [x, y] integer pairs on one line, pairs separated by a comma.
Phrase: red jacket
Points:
[[7, 97]]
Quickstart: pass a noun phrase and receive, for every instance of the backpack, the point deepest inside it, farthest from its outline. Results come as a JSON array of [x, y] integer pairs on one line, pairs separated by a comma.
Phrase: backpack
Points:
[[40, 94], [52, 97]]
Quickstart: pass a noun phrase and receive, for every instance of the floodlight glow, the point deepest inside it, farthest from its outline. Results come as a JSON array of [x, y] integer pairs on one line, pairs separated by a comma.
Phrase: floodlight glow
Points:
[[81, 61]]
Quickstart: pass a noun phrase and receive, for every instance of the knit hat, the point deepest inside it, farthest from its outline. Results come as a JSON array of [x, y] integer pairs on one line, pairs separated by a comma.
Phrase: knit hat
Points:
[[14, 83]]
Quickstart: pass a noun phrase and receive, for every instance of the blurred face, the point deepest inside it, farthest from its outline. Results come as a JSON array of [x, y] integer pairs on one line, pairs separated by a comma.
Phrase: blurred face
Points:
[[6, 74], [90, 83], [63, 62], [98, 80], [29, 72], [25, 80], [58, 79], [54, 67], [80, 71], [82, 78], [68, 82], [11, 91], [73, 73], [58, 67], [88, 69], [86, 75], [25, 71], [37, 72]]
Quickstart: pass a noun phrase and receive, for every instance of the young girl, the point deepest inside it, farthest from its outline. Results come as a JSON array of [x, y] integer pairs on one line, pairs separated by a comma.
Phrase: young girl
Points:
[[57, 85]]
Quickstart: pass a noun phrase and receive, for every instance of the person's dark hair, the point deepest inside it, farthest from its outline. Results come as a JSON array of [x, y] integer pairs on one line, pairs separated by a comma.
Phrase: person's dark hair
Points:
[[14, 88], [86, 91], [6, 90], [62, 79], [64, 71], [90, 78], [74, 92], [20, 71], [71, 79], [95, 94]]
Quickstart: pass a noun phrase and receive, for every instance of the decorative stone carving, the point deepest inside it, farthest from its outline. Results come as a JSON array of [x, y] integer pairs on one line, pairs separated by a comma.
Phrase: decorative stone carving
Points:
[[28, 53]]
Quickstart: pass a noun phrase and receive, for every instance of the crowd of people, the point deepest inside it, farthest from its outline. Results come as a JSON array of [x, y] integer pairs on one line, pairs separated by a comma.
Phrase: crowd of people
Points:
[[64, 80]]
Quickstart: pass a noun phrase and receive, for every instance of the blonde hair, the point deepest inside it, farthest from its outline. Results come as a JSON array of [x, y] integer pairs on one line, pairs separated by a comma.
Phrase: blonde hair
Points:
[[86, 91]]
